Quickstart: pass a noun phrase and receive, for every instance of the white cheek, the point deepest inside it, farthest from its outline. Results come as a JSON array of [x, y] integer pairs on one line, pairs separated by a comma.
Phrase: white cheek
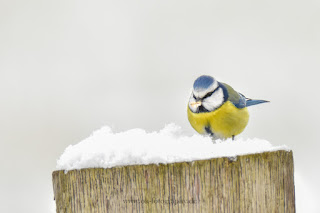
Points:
[[191, 100], [214, 101]]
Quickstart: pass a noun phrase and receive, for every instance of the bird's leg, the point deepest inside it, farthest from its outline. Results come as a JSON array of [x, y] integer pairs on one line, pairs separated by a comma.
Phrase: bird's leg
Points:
[[210, 133], [233, 137], [214, 140]]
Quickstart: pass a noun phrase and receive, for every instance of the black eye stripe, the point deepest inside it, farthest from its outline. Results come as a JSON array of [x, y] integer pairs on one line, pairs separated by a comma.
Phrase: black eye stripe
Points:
[[208, 95]]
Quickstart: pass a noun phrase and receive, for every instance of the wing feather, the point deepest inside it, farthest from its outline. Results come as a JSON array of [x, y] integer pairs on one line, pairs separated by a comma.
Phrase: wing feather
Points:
[[234, 97]]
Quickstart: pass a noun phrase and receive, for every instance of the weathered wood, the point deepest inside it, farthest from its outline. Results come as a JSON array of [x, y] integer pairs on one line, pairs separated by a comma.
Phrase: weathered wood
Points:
[[251, 183]]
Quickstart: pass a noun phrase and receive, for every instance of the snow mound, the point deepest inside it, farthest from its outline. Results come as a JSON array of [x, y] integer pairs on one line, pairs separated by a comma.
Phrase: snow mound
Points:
[[106, 149]]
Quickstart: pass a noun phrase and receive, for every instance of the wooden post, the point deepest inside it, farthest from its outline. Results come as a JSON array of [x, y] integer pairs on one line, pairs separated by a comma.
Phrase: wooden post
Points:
[[254, 183]]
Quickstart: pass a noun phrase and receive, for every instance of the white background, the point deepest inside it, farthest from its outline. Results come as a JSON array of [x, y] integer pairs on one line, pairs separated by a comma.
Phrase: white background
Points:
[[69, 67]]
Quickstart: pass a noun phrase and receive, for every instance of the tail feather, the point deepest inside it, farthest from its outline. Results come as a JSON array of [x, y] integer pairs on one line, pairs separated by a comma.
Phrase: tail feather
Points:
[[251, 102]]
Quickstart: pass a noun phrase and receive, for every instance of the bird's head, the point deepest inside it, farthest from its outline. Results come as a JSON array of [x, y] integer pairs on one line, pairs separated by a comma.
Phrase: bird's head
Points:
[[207, 95]]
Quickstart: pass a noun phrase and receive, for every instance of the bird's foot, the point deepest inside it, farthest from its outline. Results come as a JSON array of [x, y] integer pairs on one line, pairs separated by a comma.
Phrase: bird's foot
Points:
[[214, 140]]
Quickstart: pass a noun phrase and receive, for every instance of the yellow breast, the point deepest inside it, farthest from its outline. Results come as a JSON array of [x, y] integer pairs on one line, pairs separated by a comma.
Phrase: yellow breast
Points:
[[224, 122]]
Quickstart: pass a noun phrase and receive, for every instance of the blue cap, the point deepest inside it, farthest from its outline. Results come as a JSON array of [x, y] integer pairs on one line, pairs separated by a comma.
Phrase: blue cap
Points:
[[203, 82]]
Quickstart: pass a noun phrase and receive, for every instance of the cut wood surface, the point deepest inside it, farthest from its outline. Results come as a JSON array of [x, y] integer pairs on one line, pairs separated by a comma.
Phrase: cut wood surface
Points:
[[254, 183]]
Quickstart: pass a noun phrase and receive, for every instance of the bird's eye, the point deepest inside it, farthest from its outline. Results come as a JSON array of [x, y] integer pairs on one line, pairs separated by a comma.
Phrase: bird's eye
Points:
[[194, 96], [208, 95]]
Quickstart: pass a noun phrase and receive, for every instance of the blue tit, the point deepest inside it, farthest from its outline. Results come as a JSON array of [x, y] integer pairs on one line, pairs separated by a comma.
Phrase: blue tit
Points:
[[216, 109]]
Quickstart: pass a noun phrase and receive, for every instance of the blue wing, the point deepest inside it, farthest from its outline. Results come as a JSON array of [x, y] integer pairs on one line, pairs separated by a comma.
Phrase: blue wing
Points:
[[239, 100], [234, 97]]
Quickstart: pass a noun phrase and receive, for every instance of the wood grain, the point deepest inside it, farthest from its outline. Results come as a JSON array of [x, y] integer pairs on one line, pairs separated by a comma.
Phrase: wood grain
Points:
[[255, 183]]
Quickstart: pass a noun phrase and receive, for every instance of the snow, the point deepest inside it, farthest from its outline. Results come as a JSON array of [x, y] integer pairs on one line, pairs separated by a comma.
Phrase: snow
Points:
[[106, 149]]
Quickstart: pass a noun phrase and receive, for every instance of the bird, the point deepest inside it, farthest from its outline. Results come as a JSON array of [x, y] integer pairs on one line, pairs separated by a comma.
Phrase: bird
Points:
[[217, 110]]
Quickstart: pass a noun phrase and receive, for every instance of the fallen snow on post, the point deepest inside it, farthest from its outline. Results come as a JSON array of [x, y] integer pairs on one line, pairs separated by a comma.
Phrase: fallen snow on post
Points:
[[105, 149]]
